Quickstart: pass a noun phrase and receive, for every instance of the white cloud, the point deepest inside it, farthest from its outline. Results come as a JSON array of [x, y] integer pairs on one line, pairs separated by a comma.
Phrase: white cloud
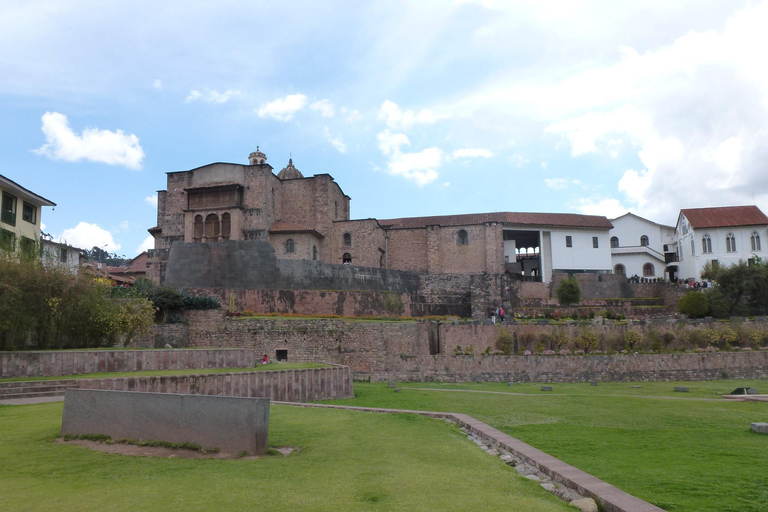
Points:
[[325, 108], [472, 153], [351, 116], [556, 183], [86, 236], [336, 142], [610, 208], [151, 200], [157, 83], [147, 244], [212, 96], [282, 109], [543, 166], [518, 160], [113, 148], [398, 119], [420, 167]]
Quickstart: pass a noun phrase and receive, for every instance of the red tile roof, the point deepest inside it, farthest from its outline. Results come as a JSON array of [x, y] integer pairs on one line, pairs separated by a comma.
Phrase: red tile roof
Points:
[[726, 216], [560, 220]]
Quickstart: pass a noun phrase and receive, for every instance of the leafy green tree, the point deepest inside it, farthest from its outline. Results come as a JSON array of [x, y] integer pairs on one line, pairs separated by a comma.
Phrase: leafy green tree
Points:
[[693, 304], [568, 292], [742, 288]]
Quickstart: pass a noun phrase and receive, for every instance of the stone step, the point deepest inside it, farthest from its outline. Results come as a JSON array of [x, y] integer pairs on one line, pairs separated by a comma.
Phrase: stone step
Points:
[[5, 392], [34, 383]]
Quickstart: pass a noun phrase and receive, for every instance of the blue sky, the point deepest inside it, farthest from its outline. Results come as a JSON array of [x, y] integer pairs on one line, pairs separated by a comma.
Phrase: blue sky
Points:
[[415, 108]]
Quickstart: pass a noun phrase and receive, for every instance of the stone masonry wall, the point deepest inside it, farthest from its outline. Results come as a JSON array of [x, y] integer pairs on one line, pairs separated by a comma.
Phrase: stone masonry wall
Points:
[[77, 362], [616, 368]]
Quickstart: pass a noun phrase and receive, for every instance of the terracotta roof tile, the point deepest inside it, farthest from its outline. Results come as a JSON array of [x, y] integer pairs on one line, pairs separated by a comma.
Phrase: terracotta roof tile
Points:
[[561, 220], [726, 216]]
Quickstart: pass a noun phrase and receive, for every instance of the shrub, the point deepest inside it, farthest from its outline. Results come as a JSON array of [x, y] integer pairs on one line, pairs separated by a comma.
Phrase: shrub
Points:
[[693, 304], [568, 292], [585, 339], [505, 341], [559, 338], [632, 338], [392, 303], [458, 351], [545, 340]]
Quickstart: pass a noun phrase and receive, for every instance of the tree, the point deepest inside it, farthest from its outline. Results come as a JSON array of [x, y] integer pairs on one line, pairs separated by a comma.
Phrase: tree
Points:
[[693, 304], [568, 292], [742, 288]]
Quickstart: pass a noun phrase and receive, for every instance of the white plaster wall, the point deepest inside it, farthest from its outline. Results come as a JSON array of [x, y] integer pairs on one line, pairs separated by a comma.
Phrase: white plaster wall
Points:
[[581, 256], [633, 263], [691, 266], [630, 228]]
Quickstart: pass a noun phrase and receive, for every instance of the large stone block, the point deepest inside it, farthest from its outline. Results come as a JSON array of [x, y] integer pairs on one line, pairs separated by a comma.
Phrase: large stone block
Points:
[[231, 424]]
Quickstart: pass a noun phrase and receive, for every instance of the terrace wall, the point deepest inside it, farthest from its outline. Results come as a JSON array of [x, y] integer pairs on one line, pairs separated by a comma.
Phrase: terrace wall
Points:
[[614, 368]]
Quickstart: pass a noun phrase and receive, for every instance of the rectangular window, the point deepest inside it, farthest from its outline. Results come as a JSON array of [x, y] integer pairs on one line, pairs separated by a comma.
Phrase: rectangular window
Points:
[[63, 255], [29, 213], [594, 242], [7, 240], [9, 209], [27, 246], [568, 241]]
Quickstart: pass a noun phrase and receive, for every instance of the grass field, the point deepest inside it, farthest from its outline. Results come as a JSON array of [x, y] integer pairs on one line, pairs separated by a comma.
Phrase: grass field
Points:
[[349, 461], [680, 451], [159, 373]]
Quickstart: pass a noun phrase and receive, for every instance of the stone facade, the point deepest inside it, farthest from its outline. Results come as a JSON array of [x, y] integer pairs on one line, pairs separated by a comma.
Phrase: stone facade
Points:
[[615, 368], [309, 219]]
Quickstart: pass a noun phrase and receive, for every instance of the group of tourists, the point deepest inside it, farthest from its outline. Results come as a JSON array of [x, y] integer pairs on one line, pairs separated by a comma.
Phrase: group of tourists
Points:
[[497, 315]]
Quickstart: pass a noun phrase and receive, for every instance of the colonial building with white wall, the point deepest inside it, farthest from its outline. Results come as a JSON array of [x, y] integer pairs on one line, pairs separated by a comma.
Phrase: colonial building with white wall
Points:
[[724, 236], [642, 248]]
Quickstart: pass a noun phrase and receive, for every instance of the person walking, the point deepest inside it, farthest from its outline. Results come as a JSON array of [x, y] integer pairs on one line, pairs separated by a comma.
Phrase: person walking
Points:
[[501, 314]]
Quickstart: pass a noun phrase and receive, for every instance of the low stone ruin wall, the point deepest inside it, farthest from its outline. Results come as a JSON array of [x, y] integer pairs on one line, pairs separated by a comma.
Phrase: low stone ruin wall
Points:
[[615, 368], [231, 424]]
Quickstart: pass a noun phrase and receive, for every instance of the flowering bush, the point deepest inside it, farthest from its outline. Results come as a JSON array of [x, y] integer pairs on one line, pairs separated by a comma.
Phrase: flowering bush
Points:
[[527, 353]]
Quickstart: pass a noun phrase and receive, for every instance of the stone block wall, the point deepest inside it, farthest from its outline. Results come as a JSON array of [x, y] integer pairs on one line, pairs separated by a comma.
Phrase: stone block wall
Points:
[[71, 362], [616, 368]]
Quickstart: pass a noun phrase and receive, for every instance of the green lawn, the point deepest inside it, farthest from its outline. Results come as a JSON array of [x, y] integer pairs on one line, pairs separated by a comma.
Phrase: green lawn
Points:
[[159, 373], [349, 461], [680, 453]]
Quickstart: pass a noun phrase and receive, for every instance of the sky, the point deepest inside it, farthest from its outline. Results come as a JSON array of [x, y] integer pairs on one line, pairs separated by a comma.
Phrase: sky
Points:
[[415, 108]]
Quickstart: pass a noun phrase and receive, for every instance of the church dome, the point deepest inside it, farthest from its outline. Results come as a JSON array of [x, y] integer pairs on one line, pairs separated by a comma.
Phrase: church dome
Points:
[[257, 157], [289, 172]]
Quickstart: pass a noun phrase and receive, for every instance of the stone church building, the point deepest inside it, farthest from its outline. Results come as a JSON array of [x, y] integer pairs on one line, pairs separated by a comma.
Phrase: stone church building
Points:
[[308, 218]]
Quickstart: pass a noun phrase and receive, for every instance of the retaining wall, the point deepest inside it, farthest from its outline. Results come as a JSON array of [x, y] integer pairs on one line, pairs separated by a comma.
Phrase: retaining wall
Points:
[[286, 385], [77, 362], [614, 368]]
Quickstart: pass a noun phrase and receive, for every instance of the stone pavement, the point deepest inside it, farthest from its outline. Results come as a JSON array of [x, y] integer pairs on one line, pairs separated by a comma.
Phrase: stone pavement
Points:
[[612, 498]]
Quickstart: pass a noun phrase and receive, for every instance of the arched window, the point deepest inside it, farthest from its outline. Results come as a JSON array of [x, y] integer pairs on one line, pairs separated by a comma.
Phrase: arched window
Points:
[[614, 242], [347, 240], [706, 244], [755, 241], [212, 228], [619, 270], [198, 236], [335, 209], [314, 252], [644, 240], [226, 226], [648, 270], [290, 246], [462, 238], [273, 200], [730, 242], [346, 259]]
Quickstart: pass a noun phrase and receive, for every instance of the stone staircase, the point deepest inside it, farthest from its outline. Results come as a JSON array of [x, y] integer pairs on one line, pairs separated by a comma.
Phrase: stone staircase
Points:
[[35, 388]]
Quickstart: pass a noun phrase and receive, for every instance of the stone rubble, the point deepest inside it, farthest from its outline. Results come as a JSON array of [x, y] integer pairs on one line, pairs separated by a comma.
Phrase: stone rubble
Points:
[[532, 473]]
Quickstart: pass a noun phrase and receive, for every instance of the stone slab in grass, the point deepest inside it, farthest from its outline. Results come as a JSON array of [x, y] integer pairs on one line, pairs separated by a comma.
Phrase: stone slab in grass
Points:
[[760, 428], [681, 389]]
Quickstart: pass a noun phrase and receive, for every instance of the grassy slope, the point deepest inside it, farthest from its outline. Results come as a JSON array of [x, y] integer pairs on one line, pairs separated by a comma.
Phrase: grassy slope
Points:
[[682, 455], [158, 373], [349, 461]]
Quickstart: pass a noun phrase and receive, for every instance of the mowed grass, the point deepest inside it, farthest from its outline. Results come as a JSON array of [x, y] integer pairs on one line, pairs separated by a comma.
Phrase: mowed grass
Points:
[[680, 451], [349, 461], [160, 373]]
